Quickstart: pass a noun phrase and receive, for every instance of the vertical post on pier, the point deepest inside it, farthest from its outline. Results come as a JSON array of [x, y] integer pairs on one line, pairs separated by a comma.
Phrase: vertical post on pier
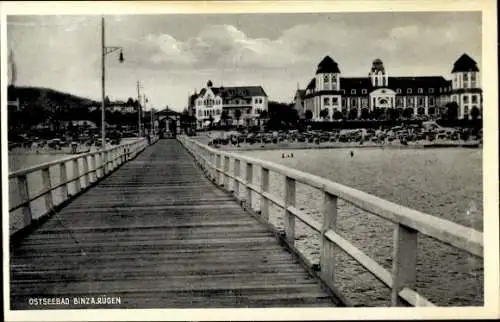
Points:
[[226, 172], [94, 161], [218, 180], [264, 186], [76, 174], [289, 217], [22, 186], [249, 180], [237, 169], [327, 257], [63, 175], [47, 186], [86, 174], [404, 262]]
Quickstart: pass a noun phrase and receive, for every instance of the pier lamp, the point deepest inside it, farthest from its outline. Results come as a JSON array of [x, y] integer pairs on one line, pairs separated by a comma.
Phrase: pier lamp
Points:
[[105, 51]]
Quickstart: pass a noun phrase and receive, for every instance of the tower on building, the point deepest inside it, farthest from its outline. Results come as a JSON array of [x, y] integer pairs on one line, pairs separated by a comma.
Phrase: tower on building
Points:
[[378, 75]]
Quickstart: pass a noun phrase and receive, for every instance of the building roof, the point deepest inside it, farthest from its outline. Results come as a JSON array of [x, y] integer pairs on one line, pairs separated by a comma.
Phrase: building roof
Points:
[[312, 84], [465, 64], [327, 65], [244, 92], [403, 83], [300, 94]]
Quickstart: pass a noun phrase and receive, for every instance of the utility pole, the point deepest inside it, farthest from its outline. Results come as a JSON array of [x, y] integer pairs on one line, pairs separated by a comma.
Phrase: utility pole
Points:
[[103, 81], [139, 126]]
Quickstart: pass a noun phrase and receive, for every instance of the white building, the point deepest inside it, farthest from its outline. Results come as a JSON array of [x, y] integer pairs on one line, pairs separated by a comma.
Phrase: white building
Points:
[[220, 105], [328, 91]]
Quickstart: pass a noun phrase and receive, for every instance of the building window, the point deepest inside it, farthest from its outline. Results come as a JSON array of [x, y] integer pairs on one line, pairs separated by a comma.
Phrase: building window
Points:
[[474, 98], [420, 90], [325, 79], [466, 77], [326, 101], [431, 90], [408, 91], [353, 102], [249, 110], [363, 91], [420, 101], [334, 78], [218, 112], [466, 99], [353, 91], [398, 90], [335, 101], [431, 101], [466, 109]]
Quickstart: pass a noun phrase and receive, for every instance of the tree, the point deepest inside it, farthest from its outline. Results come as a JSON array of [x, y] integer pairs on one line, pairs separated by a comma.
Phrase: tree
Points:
[[323, 113], [107, 102], [474, 113], [237, 115], [264, 114], [452, 111], [224, 117], [309, 115], [211, 120], [130, 101], [376, 114], [408, 112], [365, 113], [353, 114], [337, 115]]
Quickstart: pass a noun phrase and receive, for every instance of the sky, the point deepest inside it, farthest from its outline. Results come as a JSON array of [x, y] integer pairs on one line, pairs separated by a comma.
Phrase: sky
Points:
[[175, 54]]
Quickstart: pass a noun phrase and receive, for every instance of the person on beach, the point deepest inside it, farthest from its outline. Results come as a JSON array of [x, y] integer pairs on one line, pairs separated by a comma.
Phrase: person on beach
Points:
[[352, 153]]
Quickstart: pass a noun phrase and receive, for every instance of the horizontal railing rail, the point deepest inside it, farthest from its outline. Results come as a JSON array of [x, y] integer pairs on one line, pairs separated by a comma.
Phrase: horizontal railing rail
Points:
[[408, 222], [87, 169]]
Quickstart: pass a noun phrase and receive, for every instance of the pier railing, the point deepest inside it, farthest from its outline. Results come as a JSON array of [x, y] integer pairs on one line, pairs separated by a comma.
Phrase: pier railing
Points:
[[408, 223], [68, 176]]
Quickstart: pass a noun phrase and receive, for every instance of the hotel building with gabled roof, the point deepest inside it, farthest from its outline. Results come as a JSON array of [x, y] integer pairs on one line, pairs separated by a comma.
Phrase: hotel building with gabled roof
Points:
[[418, 95]]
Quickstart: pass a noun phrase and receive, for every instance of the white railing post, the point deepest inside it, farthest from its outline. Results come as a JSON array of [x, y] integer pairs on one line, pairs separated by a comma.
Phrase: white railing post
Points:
[[93, 164], [404, 261], [327, 257], [264, 185], [86, 177], [225, 173], [218, 180], [76, 174], [249, 179], [63, 175], [47, 186], [22, 186], [237, 168], [289, 217]]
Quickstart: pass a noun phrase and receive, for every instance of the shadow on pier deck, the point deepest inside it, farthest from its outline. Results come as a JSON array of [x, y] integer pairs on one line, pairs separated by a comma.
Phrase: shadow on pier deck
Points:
[[158, 234]]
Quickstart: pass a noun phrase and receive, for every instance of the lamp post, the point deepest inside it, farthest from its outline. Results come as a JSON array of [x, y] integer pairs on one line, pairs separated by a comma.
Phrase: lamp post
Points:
[[104, 51]]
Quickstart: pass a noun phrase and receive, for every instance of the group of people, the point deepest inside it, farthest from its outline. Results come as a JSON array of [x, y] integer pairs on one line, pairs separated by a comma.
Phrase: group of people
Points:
[[287, 155]]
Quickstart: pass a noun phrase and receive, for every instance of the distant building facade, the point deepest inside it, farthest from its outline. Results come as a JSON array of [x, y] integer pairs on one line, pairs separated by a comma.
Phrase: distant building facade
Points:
[[220, 105], [422, 95]]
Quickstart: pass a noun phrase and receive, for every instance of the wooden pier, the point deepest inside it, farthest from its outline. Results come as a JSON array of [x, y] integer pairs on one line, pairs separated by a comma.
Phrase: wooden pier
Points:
[[157, 233]]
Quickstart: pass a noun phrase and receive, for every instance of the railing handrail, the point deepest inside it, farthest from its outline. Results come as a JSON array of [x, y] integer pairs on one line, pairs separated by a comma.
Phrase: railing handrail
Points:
[[49, 164], [92, 172], [459, 236]]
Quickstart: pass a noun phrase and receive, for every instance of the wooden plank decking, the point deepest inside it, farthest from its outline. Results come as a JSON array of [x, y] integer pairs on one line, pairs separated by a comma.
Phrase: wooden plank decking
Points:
[[159, 234]]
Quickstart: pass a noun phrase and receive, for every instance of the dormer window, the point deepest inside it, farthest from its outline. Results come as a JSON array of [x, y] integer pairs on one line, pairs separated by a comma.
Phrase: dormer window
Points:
[[334, 78], [431, 90], [363, 91], [353, 91], [398, 90], [420, 90], [408, 91], [325, 79]]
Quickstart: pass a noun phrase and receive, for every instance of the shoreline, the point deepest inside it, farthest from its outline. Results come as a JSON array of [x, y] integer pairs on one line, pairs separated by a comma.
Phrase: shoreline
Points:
[[311, 146]]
